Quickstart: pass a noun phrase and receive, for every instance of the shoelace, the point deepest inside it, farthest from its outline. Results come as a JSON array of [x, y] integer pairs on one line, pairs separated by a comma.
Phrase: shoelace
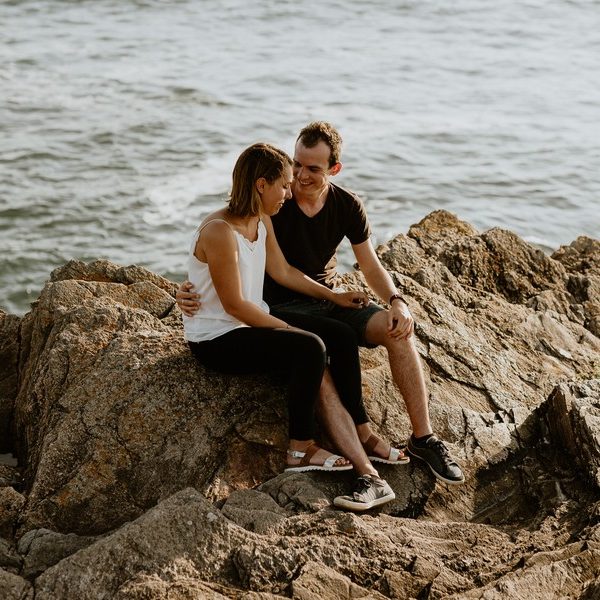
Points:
[[444, 452], [362, 484]]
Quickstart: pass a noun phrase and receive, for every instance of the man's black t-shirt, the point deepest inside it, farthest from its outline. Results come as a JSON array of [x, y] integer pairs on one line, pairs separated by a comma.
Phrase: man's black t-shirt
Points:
[[310, 243]]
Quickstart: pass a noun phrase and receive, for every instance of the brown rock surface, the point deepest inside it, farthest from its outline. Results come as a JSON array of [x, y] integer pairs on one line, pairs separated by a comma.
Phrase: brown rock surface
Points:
[[11, 504], [110, 416]]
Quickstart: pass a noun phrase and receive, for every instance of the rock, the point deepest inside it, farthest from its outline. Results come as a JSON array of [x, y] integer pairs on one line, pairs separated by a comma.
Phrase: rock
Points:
[[42, 548], [104, 270], [180, 582], [13, 587], [581, 256], [254, 511], [185, 543], [185, 525], [564, 573], [112, 418], [11, 504], [582, 260], [300, 492], [9, 359], [9, 476], [9, 557], [114, 413], [319, 582], [573, 419]]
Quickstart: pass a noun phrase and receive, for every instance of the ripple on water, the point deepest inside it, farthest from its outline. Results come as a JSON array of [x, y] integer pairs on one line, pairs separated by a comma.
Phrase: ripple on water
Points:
[[121, 122]]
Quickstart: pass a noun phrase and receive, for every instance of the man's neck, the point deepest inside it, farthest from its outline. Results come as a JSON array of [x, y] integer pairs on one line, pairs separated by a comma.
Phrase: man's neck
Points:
[[311, 203]]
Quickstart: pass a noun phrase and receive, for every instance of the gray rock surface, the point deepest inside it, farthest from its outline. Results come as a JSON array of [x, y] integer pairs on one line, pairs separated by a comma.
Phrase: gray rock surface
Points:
[[10, 560], [111, 419], [13, 587], [42, 548]]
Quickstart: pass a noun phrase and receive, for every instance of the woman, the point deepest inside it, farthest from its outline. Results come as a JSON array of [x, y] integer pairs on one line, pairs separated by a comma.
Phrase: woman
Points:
[[234, 331]]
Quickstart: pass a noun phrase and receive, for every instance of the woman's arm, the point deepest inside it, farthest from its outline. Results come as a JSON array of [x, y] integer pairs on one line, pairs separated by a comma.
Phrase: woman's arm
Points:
[[217, 244], [284, 274]]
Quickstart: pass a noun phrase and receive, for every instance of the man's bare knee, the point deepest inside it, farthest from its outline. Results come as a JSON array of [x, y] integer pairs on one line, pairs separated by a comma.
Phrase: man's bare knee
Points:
[[376, 332]]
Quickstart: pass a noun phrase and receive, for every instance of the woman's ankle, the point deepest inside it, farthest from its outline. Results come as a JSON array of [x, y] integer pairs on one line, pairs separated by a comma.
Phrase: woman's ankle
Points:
[[299, 445]]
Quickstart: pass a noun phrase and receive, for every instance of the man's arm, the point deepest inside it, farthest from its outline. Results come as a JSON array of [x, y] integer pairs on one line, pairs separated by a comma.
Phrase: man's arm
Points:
[[187, 300], [400, 321]]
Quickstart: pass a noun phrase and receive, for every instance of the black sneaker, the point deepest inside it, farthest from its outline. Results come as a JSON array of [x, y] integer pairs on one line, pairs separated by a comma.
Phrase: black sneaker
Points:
[[369, 492], [437, 457]]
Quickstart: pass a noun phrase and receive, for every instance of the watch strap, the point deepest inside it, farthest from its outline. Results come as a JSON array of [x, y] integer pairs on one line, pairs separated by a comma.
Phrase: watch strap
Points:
[[396, 296]]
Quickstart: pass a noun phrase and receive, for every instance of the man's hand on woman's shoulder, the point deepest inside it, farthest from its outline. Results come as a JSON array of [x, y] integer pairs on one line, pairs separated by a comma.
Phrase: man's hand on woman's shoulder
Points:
[[187, 300]]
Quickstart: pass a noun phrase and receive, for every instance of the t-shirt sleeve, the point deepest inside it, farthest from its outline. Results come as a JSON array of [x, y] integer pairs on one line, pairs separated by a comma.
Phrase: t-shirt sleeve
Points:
[[358, 230]]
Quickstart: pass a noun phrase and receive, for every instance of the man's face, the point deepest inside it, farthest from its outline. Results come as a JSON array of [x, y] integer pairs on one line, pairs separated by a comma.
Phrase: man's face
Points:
[[311, 169]]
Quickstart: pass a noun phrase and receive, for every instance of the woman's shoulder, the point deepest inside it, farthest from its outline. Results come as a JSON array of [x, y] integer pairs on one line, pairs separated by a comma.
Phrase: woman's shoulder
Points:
[[214, 229], [215, 219]]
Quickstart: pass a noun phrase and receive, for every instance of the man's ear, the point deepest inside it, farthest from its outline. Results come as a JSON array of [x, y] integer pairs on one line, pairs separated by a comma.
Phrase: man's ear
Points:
[[335, 169], [260, 184]]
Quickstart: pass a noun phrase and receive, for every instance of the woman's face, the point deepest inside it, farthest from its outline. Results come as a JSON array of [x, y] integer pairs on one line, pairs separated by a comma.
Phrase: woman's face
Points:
[[275, 194]]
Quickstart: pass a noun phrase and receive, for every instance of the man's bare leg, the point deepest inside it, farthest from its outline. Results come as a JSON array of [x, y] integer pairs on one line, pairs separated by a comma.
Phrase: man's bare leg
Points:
[[407, 372], [339, 426], [369, 490]]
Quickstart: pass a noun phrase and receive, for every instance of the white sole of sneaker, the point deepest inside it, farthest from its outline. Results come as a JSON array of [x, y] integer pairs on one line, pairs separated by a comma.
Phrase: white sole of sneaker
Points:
[[349, 503]]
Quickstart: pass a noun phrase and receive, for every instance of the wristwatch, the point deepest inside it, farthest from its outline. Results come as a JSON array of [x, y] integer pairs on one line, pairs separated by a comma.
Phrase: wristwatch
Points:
[[396, 296]]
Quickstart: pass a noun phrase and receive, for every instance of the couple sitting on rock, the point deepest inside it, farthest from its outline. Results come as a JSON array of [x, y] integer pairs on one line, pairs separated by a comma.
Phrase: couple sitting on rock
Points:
[[303, 326]]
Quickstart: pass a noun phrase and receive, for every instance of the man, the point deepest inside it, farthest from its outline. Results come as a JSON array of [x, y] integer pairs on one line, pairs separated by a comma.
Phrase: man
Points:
[[309, 229]]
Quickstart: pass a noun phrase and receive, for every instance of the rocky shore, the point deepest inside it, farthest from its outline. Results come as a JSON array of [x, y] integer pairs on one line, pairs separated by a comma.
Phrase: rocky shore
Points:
[[143, 476]]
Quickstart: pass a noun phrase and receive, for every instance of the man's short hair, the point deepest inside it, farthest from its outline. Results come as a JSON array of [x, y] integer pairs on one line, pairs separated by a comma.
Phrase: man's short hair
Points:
[[318, 131]]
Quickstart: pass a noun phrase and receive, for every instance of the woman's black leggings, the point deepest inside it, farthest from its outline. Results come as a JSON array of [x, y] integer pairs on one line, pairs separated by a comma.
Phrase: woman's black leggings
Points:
[[344, 360], [300, 354]]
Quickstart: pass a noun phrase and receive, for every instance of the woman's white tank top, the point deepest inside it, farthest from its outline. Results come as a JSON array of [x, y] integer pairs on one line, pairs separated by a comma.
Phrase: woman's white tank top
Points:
[[211, 320]]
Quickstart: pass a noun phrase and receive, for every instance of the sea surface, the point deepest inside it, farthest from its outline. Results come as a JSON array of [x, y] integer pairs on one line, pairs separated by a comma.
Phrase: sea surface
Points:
[[120, 120]]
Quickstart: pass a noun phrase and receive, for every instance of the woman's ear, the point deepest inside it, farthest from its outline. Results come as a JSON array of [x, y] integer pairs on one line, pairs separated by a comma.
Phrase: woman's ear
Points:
[[335, 169], [260, 185]]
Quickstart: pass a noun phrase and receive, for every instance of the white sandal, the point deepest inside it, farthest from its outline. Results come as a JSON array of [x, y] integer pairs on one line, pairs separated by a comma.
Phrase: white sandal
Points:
[[305, 464]]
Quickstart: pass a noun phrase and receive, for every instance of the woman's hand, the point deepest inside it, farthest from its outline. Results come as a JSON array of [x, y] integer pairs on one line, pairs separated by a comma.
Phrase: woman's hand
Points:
[[350, 299], [187, 300]]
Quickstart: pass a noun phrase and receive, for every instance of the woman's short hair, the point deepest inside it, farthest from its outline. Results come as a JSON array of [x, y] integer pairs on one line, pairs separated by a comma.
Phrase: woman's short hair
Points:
[[321, 131], [256, 161]]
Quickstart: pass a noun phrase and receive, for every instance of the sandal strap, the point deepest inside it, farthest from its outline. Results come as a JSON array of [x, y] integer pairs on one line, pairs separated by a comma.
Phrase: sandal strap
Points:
[[296, 453], [394, 454], [308, 454], [370, 444], [331, 460]]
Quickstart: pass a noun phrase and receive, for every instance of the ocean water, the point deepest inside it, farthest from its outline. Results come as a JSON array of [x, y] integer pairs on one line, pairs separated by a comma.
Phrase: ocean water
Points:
[[120, 120]]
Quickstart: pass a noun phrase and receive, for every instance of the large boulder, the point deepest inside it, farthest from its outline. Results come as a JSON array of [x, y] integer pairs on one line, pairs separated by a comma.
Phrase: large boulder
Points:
[[111, 418], [113, 413]]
